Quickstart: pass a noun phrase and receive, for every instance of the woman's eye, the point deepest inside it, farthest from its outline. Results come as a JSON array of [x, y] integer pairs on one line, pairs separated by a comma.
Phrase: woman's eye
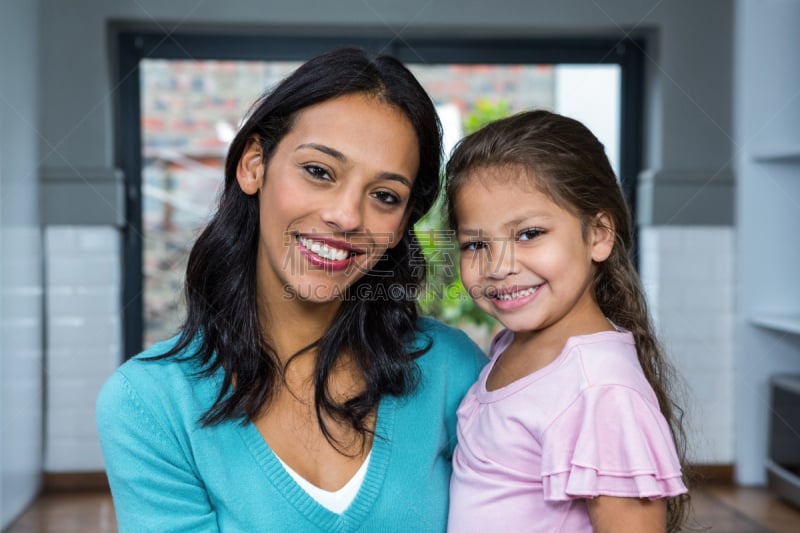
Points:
[[317, 172], [529, 234], [386, 197]]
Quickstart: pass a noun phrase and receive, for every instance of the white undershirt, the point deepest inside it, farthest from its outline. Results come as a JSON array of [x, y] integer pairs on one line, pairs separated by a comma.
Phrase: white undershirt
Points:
[[338, 500]]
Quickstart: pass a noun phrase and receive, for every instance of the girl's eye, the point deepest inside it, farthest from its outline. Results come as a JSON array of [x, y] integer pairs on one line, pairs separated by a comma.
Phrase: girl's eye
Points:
[[472, 246], [385, 197], [529, 234], [318, 172]]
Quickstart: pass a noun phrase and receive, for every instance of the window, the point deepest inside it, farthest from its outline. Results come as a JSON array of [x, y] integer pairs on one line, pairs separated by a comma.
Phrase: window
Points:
[[178, 114]]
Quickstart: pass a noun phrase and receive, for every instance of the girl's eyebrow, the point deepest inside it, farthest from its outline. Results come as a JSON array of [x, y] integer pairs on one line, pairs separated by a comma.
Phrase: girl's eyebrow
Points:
[[480, 232], [339, 156]]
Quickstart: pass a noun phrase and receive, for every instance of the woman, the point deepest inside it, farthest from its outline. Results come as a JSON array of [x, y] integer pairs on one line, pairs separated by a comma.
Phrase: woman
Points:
[[303, 393]]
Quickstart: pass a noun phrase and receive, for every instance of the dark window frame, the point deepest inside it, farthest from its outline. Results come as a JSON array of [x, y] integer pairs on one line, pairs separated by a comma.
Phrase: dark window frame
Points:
[[133, 46]]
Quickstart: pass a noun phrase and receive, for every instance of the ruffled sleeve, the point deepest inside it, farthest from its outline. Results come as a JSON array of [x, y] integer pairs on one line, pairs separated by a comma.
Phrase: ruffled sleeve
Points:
[[610, 441]]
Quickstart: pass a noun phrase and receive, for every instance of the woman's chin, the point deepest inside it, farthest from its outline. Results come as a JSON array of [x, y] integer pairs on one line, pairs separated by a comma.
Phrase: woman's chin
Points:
[[315, 293]]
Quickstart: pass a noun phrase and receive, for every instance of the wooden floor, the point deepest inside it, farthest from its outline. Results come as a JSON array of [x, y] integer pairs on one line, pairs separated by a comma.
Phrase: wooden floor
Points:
[[718, 509]]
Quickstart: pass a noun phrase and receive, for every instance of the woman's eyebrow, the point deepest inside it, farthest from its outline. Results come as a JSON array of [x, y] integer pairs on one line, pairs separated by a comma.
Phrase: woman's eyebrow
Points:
[[339, 156], [333, 152], [395, 177]]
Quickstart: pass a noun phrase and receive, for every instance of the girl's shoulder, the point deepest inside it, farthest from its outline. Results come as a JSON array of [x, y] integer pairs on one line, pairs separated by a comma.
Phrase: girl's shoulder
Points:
[[610, 358]]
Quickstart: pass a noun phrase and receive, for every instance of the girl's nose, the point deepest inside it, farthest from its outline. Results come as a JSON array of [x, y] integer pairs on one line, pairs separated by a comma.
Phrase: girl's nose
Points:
[[500, 260], [344, 212]]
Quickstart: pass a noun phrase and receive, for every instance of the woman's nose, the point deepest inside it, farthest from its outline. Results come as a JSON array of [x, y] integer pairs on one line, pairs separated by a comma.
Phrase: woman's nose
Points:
[[344, 212]]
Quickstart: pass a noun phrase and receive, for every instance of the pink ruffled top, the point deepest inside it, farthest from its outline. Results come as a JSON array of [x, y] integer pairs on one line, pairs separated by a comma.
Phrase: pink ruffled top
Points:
[[587, 424]]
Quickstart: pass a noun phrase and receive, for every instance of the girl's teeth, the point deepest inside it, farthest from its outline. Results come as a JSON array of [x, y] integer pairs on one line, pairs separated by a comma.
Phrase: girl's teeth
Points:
[[516, 294]]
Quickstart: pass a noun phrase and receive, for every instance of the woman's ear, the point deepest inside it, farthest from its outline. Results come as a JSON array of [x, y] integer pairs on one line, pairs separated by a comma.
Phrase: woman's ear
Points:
[[250, 170], [602, 235]]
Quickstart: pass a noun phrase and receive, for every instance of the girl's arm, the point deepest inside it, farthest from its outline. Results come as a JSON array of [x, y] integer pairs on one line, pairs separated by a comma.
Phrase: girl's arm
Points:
[[627, 515]]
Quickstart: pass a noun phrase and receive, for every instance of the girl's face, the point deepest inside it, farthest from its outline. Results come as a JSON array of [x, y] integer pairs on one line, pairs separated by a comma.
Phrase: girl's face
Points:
[[333, 197], [524, 259]]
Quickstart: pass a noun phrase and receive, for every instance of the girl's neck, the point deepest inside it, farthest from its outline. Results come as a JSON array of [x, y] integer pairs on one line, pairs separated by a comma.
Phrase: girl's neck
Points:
[[531, 351], [546, 344]]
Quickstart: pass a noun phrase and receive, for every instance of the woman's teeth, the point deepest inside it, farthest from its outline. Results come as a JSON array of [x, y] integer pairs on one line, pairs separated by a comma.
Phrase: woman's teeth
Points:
[[516, 294], [323, 250]]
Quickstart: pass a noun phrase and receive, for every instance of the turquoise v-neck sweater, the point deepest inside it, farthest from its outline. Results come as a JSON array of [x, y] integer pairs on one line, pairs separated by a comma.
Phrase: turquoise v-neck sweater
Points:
[[167, 473]]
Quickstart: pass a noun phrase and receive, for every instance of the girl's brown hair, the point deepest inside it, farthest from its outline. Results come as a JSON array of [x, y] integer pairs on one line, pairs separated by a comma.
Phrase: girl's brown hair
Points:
[[566, 161]]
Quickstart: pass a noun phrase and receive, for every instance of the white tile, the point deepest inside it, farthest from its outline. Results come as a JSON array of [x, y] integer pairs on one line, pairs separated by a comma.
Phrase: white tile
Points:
[[670, 241], [81, 362], [700, 325], [722, 267], [61, 240], [78, 393], [671, 298], [91, 301], [706, 296], [718, 241], [69, 423], [95, 269], [98, 239], [714, 391], [21, 335], [648, 239], [73, 455], [85, 332]]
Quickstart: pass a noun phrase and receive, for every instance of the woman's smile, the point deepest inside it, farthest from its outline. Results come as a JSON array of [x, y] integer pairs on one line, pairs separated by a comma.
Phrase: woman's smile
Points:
[[327, 253]]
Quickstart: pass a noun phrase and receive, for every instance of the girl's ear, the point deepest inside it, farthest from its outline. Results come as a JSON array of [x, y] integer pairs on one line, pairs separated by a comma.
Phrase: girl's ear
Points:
[[250, 170], [602, 235]]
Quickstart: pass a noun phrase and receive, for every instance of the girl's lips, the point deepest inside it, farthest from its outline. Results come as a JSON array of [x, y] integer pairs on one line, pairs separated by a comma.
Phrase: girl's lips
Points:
[[512, 298], [327, 253]]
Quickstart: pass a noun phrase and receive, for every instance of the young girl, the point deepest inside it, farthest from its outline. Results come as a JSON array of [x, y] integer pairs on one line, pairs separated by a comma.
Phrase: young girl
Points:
[[570, 427]]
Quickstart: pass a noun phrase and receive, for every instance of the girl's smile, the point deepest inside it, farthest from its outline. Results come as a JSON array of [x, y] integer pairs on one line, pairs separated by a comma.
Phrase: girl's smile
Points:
[[508, 299]]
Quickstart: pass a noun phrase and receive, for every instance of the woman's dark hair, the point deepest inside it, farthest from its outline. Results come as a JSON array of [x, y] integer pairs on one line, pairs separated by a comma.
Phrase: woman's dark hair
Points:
[[222, 329], [563, 159]]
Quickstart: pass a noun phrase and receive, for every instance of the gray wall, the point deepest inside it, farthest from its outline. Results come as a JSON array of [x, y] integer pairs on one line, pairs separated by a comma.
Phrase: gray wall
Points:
[[20, 260], [688, 147]]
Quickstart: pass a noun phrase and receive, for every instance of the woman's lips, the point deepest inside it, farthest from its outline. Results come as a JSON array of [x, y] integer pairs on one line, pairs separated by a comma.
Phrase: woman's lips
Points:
[[329, 254]]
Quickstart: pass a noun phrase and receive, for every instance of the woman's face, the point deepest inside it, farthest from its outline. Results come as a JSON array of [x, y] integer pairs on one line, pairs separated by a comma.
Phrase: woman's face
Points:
[[333, 197]]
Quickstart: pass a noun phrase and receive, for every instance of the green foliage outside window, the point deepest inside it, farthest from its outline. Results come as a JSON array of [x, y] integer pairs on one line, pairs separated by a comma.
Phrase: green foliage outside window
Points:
[[444, 296]]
